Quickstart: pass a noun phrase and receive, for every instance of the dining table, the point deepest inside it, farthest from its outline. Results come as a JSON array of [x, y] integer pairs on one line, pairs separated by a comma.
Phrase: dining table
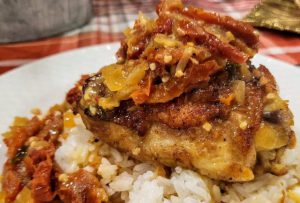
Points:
[[111, 17]]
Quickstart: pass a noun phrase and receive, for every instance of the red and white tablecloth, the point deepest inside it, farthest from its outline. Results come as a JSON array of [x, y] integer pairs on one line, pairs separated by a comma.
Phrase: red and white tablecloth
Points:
[[112, 16]]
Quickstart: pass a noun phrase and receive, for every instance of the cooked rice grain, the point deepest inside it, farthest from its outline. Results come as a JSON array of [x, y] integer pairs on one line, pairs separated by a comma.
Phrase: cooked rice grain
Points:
[[143, 182]]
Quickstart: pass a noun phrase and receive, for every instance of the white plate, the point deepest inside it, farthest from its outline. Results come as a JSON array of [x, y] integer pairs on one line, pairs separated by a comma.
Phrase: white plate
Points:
[[45, 82]]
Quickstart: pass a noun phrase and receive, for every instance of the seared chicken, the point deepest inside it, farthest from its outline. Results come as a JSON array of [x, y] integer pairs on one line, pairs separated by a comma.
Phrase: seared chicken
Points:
[[184, 93]]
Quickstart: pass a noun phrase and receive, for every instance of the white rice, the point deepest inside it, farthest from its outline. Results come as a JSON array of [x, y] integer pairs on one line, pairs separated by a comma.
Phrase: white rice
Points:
[[74, 150], [141, 182]]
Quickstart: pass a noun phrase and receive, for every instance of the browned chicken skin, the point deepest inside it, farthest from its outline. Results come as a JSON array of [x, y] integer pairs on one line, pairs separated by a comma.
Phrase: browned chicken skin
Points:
[[185, 94]]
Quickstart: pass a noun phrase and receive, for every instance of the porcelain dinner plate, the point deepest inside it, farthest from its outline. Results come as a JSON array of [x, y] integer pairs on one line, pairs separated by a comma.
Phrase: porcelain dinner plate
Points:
[[45, 82]]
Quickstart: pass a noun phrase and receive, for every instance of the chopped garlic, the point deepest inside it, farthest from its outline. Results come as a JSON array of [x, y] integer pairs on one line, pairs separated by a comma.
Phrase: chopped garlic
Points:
[[63, 177], [207, 126], [32, 139], [108, 103], [136, 151], [243, 125], [93, 110], [86, 96], [38, 144], [152, 66], [239, 91], [165, 79], [168, 58], [229, 36], [179, 73]]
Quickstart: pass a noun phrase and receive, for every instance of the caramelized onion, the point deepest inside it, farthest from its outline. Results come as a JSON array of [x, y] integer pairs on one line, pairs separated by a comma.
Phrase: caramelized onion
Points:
[[195, 74], [187, 53], [122, 81], [268, 137], [239, 89], [113, 77]]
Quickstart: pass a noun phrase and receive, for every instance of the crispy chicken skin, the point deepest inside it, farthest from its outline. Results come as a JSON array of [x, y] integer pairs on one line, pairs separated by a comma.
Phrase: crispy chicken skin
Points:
[[184, 93]]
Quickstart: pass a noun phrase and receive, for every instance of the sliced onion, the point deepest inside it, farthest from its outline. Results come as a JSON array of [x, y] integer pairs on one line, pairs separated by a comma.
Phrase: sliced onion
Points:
[[239, 91], [187, 53]]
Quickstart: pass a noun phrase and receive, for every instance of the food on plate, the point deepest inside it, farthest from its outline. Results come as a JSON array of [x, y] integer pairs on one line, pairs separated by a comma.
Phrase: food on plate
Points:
[[184, 93], [182, 116]]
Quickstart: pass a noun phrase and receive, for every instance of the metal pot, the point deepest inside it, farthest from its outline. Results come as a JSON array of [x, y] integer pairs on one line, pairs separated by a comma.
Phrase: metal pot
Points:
[[22, 20]]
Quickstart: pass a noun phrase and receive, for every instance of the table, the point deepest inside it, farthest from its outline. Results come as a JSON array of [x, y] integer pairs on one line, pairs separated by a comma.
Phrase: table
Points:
[[112, 16]]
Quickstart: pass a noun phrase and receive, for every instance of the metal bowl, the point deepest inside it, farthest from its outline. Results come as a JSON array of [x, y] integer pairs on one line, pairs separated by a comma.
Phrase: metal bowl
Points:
[[23, 20]]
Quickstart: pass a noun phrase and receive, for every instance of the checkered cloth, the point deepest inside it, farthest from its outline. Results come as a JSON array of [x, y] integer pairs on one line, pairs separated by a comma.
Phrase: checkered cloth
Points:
[[112, 16]]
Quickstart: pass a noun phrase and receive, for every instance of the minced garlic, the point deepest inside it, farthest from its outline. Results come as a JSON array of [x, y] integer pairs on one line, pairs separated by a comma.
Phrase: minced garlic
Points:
[[168, 58], [32, 139], [243, 125], [38, 144], [179, 73], [207, 126], [63, 177], [136, 151], [86, 97], [93, 110], [165, 79], [152, 66], [229, 36]]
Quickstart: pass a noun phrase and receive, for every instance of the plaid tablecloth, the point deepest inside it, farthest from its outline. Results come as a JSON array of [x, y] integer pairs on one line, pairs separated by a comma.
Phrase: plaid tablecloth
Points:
[[112, 16]]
